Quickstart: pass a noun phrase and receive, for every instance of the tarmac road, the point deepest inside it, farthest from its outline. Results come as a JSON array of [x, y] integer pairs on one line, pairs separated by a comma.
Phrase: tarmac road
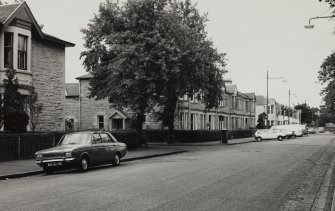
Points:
[[268, 175]]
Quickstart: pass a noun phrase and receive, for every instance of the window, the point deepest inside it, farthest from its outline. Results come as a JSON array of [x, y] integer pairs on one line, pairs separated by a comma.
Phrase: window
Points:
[[105, 138], [192, 122], [96, 138], [101, 122], [22, 52], [8, 49], [209, 122], [272, 109]]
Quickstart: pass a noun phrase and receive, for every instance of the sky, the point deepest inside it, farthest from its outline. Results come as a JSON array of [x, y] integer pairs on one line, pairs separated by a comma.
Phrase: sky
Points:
[[258, 36]]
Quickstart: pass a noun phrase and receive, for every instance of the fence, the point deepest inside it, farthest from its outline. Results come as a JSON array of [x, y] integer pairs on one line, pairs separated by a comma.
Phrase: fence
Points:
[[17, 146]]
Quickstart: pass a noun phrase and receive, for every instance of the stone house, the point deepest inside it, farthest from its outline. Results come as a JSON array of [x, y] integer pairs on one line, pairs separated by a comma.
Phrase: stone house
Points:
[[82, 112], [235, 111], [39, 61], [278, 114]]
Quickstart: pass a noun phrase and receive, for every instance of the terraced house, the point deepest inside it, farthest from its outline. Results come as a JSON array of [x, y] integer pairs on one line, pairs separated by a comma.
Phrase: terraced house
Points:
[[39, 61], [235, 111], [278, 114]]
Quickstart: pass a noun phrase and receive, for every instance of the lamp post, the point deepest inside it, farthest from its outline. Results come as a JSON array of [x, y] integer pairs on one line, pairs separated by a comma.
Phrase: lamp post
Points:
[[310, 26], [289, 104], [267, 94]]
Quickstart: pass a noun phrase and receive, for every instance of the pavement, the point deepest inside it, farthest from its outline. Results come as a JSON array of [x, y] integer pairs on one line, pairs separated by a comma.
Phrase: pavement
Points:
[[27, 167]]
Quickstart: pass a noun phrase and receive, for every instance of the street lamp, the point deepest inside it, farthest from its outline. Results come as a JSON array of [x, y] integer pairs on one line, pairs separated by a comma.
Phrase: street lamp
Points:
[[289, 103], [267, 94], [310, 26]]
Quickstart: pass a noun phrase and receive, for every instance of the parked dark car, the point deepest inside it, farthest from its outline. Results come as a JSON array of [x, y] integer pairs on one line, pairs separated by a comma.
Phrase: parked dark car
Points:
[[82, 150]]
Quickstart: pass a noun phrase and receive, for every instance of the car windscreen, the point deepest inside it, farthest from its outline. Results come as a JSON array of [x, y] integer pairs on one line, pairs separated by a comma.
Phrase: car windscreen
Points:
[[76, 138]]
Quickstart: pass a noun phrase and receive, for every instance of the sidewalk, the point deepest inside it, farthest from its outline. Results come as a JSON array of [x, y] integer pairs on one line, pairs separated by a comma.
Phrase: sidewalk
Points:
[[28, 167]]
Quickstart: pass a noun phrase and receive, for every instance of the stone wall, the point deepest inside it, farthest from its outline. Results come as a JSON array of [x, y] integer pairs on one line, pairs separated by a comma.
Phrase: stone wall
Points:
[[71, 110], [48, 69], [90, 109]]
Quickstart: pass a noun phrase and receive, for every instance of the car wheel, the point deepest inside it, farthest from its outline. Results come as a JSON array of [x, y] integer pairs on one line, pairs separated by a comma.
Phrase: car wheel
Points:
[[293, 137], [259, 138], [116, 160], [280, 138], [47, 170], [83, 165]]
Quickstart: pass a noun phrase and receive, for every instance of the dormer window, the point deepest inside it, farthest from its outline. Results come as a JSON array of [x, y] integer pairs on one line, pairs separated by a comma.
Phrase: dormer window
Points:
[[22, 52], [8, 50]]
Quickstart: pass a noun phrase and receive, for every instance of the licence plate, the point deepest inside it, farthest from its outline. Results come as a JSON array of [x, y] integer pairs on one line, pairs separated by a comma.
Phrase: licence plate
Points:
[[55, 164]]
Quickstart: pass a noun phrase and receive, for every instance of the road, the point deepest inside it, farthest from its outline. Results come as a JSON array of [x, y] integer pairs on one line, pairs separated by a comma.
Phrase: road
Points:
[[268, 175]]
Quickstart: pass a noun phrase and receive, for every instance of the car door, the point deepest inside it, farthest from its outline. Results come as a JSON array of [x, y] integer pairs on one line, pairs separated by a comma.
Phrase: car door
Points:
[[97, 149], [109, 147]]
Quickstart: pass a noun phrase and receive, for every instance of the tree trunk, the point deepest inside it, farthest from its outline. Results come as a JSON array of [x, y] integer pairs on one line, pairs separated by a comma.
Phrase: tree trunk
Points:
[[171, 109], [139, 122]]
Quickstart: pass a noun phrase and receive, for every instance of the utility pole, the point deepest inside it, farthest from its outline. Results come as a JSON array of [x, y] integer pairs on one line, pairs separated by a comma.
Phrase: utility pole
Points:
[[267, 97], [289, 108]]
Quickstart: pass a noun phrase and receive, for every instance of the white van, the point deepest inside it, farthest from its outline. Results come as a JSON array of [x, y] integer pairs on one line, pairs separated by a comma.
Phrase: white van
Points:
[[297, 128]]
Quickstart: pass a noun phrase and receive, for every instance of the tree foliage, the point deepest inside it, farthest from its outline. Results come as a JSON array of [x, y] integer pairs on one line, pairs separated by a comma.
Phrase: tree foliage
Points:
[[261, 121], [145, 54], [15, 118], [327, 78], [308, 114], [34, 107], [330, 2]]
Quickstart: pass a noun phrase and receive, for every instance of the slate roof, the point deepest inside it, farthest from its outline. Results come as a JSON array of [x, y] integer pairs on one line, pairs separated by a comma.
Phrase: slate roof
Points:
[[261, 100], [71, 90], [231, 89], [87, 76], [6, 11], [250, 95]]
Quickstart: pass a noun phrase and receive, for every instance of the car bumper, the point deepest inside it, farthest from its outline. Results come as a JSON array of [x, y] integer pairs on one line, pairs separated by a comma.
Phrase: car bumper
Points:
[[56, 162]]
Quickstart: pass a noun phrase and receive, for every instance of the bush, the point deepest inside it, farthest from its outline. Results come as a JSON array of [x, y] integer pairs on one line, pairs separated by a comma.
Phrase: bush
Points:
[[240, 133], [16, 121], [129, 137]]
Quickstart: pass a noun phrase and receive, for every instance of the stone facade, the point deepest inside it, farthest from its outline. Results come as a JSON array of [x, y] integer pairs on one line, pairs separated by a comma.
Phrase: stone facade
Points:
[[48, 69], [39, 61], [88, 113], [277, 113], [235, 111]]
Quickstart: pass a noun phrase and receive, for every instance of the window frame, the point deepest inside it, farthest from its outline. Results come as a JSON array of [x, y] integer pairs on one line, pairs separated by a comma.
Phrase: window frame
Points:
[[25, 53], [11, 49]]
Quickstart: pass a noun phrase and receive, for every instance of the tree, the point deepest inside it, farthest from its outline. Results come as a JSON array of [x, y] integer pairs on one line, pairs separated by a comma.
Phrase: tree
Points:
[[15, 118], [327, 77], [261, 121], [308, 114], [330, 2], [146, 54], [34, 107], [198, 67]]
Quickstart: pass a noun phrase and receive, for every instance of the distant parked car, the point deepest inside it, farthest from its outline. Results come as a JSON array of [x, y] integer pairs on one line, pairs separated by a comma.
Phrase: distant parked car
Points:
[[297, 128], [270, 134], [289, 132], [82, 150]]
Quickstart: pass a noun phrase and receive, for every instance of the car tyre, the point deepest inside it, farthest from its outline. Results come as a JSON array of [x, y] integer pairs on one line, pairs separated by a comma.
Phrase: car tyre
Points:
[[280, 138], [84, 164], [259, 139], [293, 137], [116, 160]]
